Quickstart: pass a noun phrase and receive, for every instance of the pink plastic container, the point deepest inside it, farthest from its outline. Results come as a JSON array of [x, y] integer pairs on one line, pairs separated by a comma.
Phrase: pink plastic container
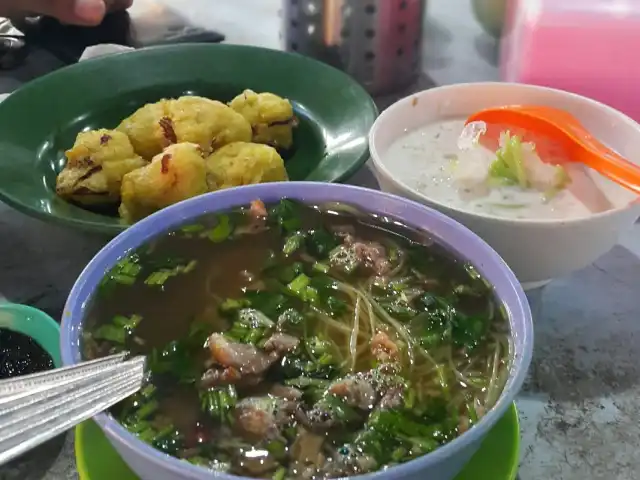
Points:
[[590, 47]]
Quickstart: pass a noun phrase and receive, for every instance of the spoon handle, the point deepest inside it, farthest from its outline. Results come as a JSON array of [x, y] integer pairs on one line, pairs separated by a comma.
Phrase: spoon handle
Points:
[[566, 132], [587, 149], [612, 166], [38, 407]]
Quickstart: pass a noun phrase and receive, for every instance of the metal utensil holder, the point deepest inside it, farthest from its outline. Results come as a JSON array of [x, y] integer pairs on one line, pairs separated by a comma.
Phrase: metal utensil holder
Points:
[[378, 42]]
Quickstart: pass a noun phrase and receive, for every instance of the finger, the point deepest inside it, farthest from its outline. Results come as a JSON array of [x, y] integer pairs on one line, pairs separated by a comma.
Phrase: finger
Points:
[[77, 12], [116, 5], [89, 12]]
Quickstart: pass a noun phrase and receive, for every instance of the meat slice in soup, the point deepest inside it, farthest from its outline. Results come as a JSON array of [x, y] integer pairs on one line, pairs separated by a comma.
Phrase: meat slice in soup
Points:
[[262, 418], [245, 359], [281, 343]]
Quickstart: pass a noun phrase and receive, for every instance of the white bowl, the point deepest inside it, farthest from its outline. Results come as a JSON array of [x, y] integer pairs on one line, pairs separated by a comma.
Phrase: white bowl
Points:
[[536, 250]]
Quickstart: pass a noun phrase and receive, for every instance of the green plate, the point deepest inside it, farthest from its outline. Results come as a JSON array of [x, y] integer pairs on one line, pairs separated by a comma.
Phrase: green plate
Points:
[[497, 458], [40, 121]]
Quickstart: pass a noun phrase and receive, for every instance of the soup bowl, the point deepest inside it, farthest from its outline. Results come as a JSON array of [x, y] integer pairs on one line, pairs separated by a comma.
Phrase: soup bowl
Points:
[[537, 250], [445, 462]]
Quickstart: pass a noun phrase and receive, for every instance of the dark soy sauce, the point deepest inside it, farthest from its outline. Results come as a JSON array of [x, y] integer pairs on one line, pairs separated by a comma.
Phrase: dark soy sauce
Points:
[[21, 355]]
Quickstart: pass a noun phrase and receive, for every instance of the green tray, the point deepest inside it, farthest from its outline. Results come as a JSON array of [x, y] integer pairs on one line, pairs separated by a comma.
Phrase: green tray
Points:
[[497, 458]]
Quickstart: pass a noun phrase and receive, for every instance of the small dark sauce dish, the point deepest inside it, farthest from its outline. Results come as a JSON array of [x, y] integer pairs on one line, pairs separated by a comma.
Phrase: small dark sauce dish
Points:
[[21, 355], [29, 343]]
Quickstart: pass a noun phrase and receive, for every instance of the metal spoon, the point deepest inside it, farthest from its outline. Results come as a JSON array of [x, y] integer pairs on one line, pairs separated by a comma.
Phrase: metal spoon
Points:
[[35, 408]]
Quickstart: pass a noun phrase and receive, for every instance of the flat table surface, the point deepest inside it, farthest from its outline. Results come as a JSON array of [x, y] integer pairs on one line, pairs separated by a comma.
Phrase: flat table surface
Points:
[[581, 404]]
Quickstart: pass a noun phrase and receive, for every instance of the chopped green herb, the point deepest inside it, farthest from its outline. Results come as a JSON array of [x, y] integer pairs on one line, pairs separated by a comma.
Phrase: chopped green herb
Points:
[[147, 390], [147, 409], [286, 215], [290, 318], [292, 243], [281, 474], [124, 272], [321, 267], [168, 440], [473, 414], [231, 305], [339, 409], [175, 359], [298, 285], [128, 323], [309, 294], [159, 277], [508, 166], [111, 333], [119, 330], [194, 228], [254, 318], [278, 449], [189, 267], [243, 333], [197, 460], [397, 435], [270, 303], [221, 231], [320, 242], [397, 307], [336, 306], [130, 269], [306, 382], [251, 326], [469, 331], [123, 279], [286, 273], [219, 403]]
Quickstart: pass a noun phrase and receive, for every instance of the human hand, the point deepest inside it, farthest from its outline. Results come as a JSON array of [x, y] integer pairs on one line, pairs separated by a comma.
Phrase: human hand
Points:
[[77, 12]]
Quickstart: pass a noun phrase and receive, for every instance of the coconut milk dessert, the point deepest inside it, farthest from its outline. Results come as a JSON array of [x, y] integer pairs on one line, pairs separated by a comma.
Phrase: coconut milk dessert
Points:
[[512, 182]]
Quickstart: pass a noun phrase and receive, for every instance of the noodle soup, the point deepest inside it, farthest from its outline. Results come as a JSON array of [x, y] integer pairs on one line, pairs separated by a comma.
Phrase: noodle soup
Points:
[[298, 341]]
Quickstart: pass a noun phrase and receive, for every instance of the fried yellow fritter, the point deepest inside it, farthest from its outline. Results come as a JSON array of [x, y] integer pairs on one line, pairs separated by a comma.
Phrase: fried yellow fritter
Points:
[[208, 123], [242, 163], [145, 131], [95, 166], [175, 174], [271, 117]]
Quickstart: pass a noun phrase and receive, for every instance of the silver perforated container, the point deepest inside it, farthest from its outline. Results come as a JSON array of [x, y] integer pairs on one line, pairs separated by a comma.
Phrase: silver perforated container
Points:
[[378, 42]]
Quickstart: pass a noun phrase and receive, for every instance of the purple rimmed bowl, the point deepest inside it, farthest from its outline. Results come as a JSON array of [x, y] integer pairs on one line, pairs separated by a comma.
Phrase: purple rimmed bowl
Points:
[[442, 464]]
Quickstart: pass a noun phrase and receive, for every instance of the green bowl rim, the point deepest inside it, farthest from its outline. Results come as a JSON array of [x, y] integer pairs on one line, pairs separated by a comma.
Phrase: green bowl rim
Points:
[[46, 327], [115, 228]]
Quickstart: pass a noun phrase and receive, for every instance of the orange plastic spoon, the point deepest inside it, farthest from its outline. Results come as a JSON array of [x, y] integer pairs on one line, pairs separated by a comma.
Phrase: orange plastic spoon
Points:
[[557, 134]]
